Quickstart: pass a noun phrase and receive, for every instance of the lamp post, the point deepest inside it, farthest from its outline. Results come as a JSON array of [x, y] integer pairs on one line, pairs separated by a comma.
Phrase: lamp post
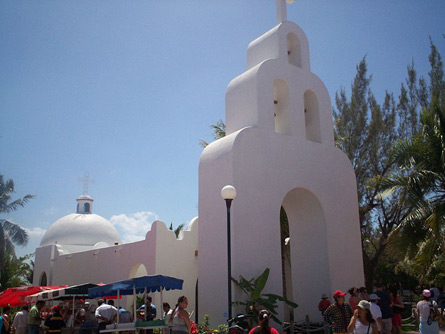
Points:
[[228, 193]]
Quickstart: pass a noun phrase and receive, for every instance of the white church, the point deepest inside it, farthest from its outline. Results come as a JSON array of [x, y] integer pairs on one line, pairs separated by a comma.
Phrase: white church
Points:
[[279, 152]]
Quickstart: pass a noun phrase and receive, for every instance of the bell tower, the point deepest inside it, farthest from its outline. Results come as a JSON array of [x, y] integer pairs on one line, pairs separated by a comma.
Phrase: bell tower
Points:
[[279, 151]]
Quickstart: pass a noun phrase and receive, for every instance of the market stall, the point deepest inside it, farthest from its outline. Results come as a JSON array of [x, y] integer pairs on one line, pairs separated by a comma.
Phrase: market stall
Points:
[[133, 286]]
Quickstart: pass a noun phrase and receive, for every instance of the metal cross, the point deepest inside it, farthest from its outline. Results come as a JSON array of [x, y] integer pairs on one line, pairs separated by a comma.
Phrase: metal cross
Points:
[[86, 180]]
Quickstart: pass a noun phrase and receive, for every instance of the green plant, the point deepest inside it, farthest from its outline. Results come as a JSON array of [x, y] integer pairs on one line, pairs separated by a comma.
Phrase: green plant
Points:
[[256, 301]]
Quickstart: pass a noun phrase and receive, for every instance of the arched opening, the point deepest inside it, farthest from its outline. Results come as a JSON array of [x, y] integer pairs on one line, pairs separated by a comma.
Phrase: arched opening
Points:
[[137, 270], [86, 208], [286, 272], [43, 281], [78, 208], [293, 50], [308, 250], [312, 117], [281, 107]]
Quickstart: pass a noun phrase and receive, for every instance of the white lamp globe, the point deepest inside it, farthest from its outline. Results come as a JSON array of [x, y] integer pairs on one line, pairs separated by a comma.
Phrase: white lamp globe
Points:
[[228, 192]]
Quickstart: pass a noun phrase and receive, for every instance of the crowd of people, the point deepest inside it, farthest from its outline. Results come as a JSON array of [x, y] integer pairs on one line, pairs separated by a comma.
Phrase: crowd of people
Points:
[[89, 318], [380, 312]]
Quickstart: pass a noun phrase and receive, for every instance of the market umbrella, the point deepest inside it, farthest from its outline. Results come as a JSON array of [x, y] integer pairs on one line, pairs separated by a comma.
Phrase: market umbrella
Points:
[[136, 285], [15, 296]]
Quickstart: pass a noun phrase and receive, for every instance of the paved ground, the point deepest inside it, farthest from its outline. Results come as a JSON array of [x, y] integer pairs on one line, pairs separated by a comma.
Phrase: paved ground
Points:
[[442, 330]]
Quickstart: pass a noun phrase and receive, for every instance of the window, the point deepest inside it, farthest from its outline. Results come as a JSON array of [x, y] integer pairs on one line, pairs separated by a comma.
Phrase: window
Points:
[[86, 208]]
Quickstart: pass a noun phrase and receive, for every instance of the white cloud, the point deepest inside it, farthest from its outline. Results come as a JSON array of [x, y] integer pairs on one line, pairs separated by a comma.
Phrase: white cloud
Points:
[[50, 211], [133, 227]]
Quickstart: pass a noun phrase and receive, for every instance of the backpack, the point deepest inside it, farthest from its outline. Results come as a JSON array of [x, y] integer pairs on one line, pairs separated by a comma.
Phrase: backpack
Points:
[[434, 313]]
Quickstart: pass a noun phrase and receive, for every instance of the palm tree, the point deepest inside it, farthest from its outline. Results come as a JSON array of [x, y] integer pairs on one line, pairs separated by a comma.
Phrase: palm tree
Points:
[[10, 233], [420, 181]]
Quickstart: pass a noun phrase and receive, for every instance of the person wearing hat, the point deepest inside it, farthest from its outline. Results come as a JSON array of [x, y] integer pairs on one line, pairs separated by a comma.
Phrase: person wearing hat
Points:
[[423, 313], [54, 321], [338, 314], [362, 321], [324, 303], [375, 311], [385, 307]]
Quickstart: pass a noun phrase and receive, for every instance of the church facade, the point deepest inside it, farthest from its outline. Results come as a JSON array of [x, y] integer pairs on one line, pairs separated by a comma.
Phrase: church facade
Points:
[[279, 153]]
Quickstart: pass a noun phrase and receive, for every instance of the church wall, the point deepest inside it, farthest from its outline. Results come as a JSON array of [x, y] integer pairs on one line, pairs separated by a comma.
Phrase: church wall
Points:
[[110, 264]]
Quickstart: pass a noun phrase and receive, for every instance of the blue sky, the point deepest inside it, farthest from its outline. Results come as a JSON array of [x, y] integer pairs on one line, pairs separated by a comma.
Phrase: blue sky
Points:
[[126, 89]]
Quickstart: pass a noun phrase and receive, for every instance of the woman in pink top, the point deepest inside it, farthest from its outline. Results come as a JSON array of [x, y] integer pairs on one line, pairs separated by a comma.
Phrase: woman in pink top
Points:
[[354, 299]]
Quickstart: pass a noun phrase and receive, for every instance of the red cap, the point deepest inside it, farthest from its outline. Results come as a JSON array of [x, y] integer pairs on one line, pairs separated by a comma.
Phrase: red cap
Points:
[[339, 293], [55, 308]]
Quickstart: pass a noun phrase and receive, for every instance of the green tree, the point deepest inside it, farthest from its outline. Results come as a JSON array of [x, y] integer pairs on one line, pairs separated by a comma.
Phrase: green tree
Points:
[[366, 130], [16, 271], [419, 181], [10, 233]]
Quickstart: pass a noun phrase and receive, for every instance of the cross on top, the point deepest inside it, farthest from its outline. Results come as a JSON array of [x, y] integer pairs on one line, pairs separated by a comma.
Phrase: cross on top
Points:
[[282, 10], [86, 180]]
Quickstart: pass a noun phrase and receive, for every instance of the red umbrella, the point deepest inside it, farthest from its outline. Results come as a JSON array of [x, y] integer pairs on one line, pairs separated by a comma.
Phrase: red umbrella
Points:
[[14, 296]]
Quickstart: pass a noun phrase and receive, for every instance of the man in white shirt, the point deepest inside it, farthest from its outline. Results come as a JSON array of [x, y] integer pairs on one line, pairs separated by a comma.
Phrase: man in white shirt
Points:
[[20, 321], [105, 313], [375, 311]]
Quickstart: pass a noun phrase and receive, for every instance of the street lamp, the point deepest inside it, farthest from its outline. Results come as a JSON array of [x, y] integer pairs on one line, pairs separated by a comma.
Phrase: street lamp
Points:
[[228, 193]]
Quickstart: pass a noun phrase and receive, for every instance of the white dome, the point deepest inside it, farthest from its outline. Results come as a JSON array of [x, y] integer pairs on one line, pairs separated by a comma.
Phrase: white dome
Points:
[[82, 230]]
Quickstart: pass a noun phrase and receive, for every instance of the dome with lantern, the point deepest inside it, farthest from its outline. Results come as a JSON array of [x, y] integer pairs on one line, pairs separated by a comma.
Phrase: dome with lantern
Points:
[[82, 230]]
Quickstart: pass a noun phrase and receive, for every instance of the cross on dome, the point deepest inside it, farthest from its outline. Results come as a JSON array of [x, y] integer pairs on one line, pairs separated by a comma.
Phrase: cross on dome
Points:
[[86, 180], [282, 10]]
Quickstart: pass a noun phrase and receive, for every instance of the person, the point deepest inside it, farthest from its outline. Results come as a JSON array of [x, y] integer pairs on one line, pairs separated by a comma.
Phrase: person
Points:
[[124, 316], [34, 317], [435, 292], [423, 311], [362, 321], [180, 318], [442, 301], [375, 311], [363, 293], [324, 303], [339, 314], [354, 299], [385, 307], [6, 328], [167, 316], [19, 324], [54, 321], [105, 313], [263, 327], [90, 321], [150, 310], [397, 309]]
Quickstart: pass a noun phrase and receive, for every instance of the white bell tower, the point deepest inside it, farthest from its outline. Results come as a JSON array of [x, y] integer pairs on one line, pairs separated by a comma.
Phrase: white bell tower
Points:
[[279, 151]]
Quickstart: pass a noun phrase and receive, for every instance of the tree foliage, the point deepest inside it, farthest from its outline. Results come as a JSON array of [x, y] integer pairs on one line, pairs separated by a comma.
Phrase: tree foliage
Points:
[[256, 301], [366, 130], [419, 181], [10, 233], [16, 271]]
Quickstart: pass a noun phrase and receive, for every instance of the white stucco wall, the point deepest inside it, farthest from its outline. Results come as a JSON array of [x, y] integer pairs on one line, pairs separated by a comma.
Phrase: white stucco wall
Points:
[[160, 253], [273, 164]]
